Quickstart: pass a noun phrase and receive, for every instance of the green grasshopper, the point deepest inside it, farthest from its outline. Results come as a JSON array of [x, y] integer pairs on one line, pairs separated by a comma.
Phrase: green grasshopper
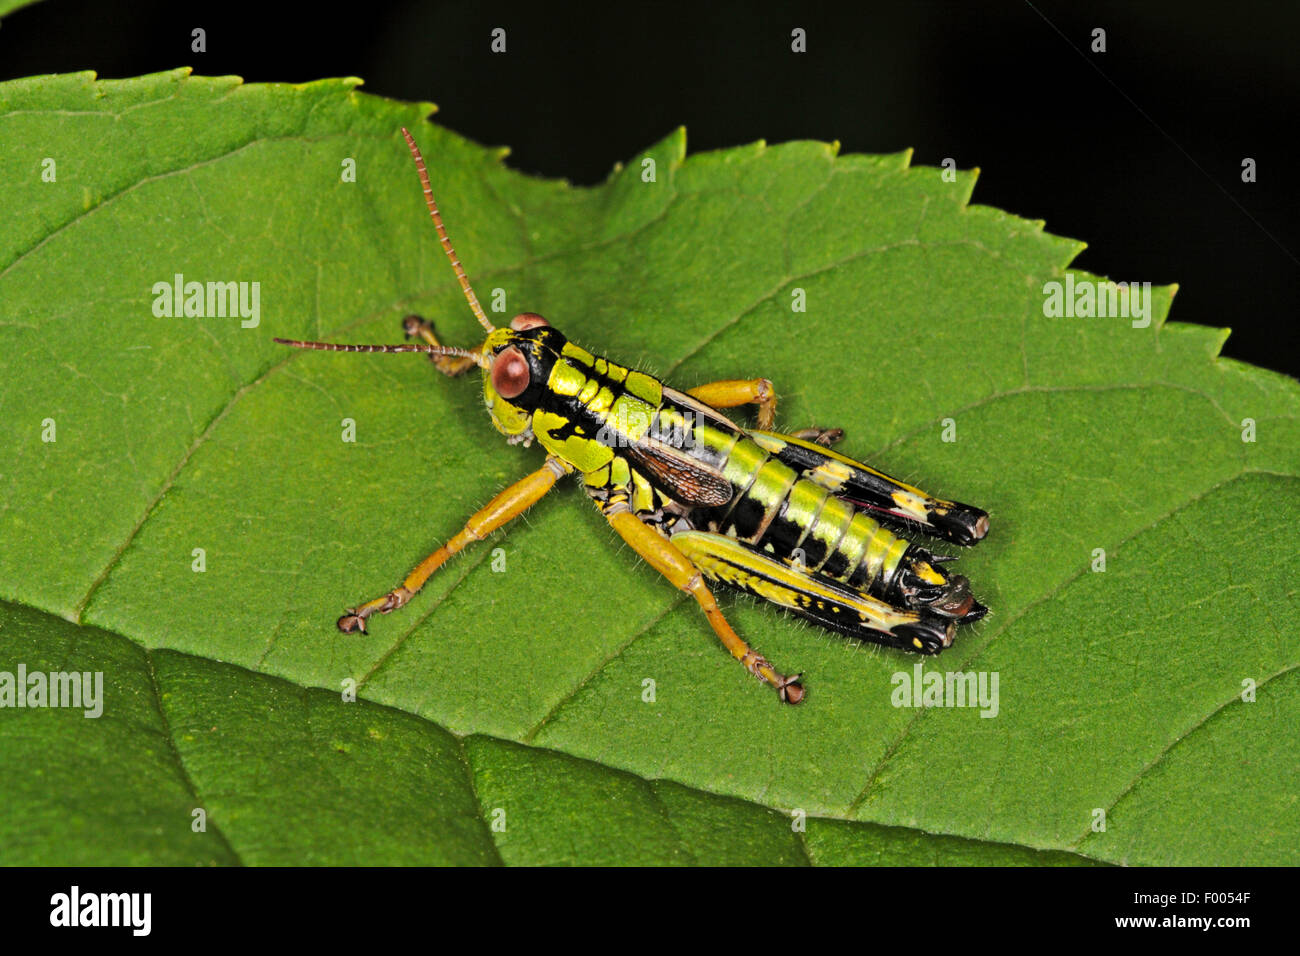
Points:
[[699, 497]]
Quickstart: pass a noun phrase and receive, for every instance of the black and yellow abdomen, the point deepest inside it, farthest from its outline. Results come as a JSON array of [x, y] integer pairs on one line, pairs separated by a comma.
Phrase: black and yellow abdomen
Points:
[[780, 513]]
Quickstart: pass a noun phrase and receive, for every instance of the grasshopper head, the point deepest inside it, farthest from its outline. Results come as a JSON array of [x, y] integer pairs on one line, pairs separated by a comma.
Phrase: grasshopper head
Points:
[[519, 360], [516, 360]]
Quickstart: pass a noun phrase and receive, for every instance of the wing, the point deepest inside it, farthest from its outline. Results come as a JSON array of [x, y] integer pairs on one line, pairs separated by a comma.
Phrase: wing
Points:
[[682, 477]]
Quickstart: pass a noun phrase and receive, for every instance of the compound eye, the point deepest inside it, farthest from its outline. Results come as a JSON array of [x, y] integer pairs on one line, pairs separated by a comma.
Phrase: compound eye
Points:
[[527, 320], [510, 373]]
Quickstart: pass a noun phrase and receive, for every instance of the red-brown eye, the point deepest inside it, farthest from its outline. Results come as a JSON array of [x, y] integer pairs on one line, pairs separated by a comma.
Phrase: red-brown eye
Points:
[[527, 320], [510, 374]]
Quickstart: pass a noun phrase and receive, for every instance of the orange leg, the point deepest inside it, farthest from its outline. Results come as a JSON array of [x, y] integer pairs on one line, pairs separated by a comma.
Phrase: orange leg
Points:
[[729, 393], [665, 558], [509, 504], [450, 365]]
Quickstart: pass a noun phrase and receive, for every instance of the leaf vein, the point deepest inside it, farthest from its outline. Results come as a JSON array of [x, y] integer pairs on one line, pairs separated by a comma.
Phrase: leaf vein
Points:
[[176, 754]]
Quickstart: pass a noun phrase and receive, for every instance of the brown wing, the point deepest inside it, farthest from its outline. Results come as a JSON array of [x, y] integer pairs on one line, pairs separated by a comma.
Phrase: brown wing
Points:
[[686, 479]]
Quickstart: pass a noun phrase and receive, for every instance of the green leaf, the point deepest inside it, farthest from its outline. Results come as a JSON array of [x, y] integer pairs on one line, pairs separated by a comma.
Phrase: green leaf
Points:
[[517, 697]]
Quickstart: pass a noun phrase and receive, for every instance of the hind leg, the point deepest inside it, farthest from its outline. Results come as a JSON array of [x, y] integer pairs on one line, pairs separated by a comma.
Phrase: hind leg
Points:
[[662, 555], [832, 604]]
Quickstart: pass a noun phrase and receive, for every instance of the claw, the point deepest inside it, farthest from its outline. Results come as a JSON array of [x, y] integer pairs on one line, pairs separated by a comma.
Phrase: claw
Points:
[[790, 689], [820, 436], [352, 622]]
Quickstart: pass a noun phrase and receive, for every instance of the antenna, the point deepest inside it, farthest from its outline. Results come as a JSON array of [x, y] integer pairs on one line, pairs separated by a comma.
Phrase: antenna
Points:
[[470, 297], [476, 357]]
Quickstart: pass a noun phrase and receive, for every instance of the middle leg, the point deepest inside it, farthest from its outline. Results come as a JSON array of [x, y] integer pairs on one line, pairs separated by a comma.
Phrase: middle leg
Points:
[[729, 393]]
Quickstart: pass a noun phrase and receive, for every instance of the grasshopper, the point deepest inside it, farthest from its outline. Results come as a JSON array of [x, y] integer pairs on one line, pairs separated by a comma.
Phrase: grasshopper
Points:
[[702, 499]]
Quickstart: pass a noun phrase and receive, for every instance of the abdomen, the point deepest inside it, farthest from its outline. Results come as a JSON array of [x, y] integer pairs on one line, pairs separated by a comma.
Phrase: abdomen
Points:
[[791, 518]]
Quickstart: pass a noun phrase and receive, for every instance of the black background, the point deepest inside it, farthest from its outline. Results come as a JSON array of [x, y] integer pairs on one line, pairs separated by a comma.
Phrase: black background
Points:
[[1137, 150], [915, 910]]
